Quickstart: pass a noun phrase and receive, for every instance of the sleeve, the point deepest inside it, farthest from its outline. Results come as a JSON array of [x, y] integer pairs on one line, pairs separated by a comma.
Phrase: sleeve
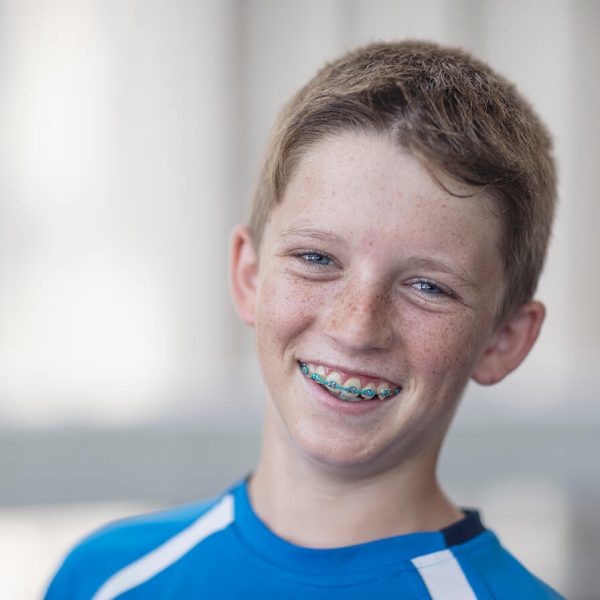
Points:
[[113, 547], [497, 571], [74, 580]]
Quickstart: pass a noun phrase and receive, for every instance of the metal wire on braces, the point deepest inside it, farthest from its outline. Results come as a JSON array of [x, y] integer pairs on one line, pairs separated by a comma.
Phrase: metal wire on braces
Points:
[[351, 389]]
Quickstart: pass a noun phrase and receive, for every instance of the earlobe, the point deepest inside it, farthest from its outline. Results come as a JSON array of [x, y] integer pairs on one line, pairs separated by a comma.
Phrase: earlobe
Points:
[[243, 274], [510, 344]]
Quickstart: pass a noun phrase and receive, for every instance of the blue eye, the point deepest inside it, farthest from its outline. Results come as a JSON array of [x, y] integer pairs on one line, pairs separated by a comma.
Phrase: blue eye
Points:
[[428, 288], [315, 258]]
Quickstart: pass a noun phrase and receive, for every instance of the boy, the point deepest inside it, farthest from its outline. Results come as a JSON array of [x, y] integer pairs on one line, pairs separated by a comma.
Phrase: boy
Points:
[[396, 239]]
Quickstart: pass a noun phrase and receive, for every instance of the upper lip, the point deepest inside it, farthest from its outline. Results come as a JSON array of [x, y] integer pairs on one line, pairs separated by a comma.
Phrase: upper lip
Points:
[[363, 375]]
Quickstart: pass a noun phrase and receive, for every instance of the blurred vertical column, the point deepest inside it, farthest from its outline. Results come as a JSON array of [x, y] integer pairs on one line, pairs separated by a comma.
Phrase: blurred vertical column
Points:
[[581, 282], [582, 286], [182, 122]]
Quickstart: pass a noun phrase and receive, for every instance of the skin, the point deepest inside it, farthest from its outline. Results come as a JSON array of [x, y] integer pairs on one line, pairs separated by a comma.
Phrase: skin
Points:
[[369, 265]]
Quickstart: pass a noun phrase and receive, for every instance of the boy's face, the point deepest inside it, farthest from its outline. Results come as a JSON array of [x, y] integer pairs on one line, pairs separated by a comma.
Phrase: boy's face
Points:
[[369, 268]]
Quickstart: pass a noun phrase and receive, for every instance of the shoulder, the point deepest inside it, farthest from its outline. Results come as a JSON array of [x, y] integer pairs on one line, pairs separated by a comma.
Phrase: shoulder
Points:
[[495, 571], [122, 543]]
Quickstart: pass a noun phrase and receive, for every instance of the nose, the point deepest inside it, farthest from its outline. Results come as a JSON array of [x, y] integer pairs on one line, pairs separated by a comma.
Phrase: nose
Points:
[[359, 318]]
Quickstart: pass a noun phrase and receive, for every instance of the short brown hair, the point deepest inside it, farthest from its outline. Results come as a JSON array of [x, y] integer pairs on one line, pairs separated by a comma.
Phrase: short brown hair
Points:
[[450, 110]]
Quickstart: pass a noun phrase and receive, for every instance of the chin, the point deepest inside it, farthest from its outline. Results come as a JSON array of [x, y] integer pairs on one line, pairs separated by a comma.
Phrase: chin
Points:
[[341, 453]]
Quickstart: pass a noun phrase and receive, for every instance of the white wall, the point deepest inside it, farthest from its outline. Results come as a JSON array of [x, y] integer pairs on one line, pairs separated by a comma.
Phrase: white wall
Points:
[[119, 157]]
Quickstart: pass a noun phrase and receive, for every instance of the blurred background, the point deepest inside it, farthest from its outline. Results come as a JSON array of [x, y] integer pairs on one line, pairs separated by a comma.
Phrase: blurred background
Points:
[[130, 136]]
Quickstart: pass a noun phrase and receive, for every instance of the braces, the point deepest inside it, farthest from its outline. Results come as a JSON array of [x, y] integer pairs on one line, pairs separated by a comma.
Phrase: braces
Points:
[[352, 390]]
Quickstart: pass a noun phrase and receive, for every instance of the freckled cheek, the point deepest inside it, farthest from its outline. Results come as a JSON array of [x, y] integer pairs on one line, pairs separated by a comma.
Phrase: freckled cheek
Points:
[[285, 307], [440, 349]]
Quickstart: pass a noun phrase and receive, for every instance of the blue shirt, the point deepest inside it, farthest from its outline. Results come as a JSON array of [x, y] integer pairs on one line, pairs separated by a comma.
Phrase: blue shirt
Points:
[[221, 549]]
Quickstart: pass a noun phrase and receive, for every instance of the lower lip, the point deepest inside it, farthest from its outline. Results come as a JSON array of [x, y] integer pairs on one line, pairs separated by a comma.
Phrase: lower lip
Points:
[[345, 407]]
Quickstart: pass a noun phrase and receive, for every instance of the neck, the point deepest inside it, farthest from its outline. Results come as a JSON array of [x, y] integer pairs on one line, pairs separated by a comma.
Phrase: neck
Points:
[[316, 506]]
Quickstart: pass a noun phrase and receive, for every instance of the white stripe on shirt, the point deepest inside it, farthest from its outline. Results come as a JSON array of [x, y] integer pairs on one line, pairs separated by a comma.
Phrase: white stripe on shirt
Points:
[[149, 565], [443, 576]]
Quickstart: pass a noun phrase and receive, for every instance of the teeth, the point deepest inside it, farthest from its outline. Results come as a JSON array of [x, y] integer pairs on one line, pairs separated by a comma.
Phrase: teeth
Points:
[[354, 391], [354, 384], [369, 386], [318, 375], [337, 379], [383, 391]]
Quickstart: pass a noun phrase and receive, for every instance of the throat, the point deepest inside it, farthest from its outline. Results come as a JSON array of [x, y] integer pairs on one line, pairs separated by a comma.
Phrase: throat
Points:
[[323, 514]]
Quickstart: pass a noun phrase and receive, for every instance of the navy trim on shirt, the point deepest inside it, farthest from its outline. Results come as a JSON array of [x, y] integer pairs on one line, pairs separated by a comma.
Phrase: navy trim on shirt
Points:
[[463, 530]]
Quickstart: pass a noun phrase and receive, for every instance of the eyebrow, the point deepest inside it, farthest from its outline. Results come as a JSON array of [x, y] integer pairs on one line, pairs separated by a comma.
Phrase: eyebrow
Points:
[[311, 232]]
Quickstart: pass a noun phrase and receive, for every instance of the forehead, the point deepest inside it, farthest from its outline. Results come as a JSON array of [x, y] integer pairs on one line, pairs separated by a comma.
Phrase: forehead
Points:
[[365, 190]]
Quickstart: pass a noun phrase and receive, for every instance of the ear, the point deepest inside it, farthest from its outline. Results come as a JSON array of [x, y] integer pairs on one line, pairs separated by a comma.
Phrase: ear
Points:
[[243, 274], [510, 344]]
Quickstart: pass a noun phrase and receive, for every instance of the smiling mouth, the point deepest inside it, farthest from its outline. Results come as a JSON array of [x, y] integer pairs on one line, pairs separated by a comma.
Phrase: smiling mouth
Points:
[[353, 389]]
